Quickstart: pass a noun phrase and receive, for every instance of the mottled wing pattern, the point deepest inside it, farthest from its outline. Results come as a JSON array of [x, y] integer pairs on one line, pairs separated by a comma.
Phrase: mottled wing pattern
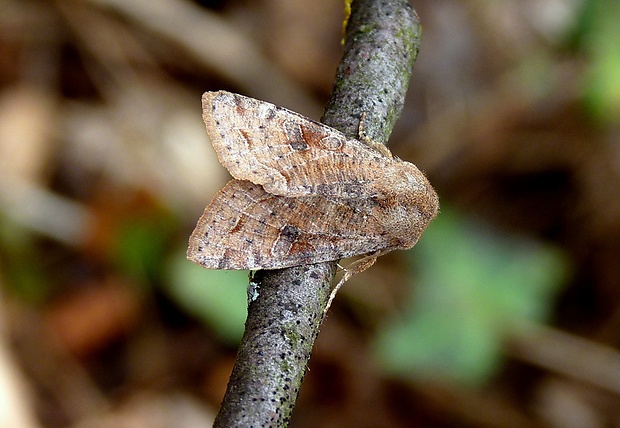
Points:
[[286, 153], [303, 192], [244, 227]]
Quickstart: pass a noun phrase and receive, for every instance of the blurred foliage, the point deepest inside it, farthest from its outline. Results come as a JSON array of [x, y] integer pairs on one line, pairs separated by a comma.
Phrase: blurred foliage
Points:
[[597, 33], [18, 251], [142, 242], [473, 285], [216, 297]]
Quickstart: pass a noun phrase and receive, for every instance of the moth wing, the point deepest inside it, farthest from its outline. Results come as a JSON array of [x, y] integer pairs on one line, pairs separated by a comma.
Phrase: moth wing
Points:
[[245, 227], [288, 154]]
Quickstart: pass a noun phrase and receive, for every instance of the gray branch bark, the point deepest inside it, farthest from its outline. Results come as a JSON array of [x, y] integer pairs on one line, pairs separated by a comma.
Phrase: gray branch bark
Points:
[[286, 306]]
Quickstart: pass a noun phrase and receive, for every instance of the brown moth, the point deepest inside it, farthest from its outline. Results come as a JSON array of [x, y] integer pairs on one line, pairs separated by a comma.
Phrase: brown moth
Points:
[[302, 192]]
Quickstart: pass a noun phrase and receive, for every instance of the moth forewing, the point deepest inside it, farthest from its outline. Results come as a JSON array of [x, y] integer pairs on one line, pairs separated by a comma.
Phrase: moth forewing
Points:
[[303, 192]]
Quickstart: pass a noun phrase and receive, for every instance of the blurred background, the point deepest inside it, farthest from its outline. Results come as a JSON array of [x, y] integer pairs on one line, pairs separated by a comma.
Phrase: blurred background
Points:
[[506, 314]]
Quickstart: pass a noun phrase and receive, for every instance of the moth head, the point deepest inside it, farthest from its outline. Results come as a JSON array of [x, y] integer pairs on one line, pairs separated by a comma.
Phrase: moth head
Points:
[[409, 207], [403, 224]]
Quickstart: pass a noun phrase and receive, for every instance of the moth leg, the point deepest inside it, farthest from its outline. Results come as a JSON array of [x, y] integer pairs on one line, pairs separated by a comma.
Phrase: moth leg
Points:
[[358, 266], [361, 132]]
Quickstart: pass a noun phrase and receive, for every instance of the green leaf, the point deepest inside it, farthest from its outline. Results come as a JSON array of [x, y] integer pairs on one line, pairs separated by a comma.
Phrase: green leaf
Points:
[[141, 243], [472, 287], [216, 297], [598, 36]]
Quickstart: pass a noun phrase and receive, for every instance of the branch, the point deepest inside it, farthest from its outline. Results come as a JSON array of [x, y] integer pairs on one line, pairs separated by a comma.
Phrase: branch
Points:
[[286, 306]]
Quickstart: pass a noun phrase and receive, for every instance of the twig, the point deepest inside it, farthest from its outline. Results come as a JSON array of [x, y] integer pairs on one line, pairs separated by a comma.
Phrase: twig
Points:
[[286, 306]]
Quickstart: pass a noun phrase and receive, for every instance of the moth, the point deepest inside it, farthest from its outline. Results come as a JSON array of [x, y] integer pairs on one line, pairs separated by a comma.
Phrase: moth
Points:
[[302, 192]]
